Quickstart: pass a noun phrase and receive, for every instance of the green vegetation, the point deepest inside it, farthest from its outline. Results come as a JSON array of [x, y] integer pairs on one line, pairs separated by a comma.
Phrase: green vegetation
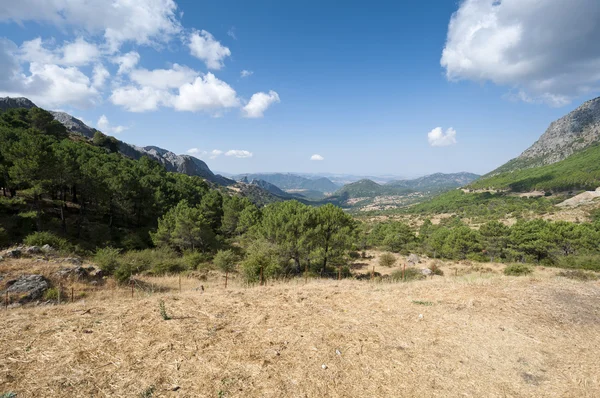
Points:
[[387, 260], [517, 270], [579, 275], [580, 171]]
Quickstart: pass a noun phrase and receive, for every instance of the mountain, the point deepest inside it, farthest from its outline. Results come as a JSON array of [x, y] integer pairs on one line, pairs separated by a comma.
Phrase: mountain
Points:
[[19, 102], [435, 182], [566, 136], [288, 181], [271, 188], [367, 189], [184, 164], [565, 158]]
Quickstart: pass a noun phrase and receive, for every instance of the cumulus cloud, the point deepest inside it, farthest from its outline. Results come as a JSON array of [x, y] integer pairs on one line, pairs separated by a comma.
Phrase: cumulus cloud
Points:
[[140, 99], [104, 125], [143, 22], [212, 154], [239, 153], [544, 51], [126, 61], [76, 53], [317, 157], [80, 52], [205, 93], [259, 103], [205, 47], [99, 76], [164, 78], [437, 137], [246, 73]]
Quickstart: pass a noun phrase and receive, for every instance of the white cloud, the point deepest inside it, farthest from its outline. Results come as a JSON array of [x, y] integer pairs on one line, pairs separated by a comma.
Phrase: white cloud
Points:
[[317, 157], [143, 99], [76, 53], [104, 125], [80, 52], [259, 103], [546, 50], [204, 47], [205, 93], [231, 33], [437, 137], [246, 73], [239, 153], [215, 153], [126, 62], [143, 22], [100, 74], [164, 78]]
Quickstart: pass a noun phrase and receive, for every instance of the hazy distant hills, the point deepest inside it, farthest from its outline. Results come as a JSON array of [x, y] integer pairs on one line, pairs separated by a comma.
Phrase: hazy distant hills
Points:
[[438, 182], [289, 181]]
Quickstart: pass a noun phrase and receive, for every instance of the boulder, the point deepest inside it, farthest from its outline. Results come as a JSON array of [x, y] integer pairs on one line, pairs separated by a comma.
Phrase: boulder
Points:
[[1, 259], [426, 271], [31, 250], [32, 287], [13, 253], [74, 272], [73, 260], [413, 259], [47, 249]]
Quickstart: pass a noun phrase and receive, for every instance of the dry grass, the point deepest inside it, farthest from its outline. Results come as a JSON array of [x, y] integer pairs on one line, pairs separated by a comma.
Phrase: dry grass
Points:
[[489, 335]]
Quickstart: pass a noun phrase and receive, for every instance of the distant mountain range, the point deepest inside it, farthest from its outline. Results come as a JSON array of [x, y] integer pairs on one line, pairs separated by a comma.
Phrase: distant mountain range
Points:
[[433, 183], [288, 181]]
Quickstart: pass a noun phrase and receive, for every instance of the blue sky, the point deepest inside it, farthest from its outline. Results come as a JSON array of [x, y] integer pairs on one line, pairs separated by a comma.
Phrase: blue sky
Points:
[[363, 85]]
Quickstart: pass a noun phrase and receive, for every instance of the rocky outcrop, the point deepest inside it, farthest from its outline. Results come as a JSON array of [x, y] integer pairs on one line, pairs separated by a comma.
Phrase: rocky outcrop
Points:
[[28, 287], [569, 134], [73, 124], [20, 102]]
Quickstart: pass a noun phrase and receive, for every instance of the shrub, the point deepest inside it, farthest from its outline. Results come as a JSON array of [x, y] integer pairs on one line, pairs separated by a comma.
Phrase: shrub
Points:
[[51, 294], [517, 270], [354, 255], [579, 275], [387, 260], [435, 269], [410, 274], [225, 260], [197, 260], [47, 238], [590, 262], [163, 310], [107, 259]]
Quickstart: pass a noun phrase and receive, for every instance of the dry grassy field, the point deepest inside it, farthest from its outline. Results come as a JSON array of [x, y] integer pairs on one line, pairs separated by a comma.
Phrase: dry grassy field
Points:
[[472, 335]]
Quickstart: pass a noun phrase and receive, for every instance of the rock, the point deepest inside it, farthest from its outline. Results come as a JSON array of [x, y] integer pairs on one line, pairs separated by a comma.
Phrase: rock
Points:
[[47, 249], [1, 258], [31, 250], [323, 366], [13, 253], [32, 286], [426, 271], [413, 259], [73, 260], [75, 273]]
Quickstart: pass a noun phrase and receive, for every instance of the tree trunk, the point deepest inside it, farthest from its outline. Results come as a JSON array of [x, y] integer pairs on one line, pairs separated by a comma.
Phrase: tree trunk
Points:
[[38, 209]]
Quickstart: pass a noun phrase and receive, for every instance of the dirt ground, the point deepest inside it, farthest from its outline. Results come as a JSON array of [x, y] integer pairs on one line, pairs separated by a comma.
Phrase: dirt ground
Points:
[[473, 335]]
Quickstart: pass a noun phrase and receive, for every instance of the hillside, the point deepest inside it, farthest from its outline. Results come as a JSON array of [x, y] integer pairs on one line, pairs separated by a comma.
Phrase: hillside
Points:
[[580, 171], [564, 137], [435, 182], [369, 189]]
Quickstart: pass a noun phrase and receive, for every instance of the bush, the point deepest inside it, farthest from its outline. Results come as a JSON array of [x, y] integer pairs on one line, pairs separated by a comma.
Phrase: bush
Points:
[[435, 269], [579, 275], [197, 261], [517, 270], [410, 274], [107, 259], [52, 294], [225, 260], [590, 262], [387, 260], [47, 238]]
